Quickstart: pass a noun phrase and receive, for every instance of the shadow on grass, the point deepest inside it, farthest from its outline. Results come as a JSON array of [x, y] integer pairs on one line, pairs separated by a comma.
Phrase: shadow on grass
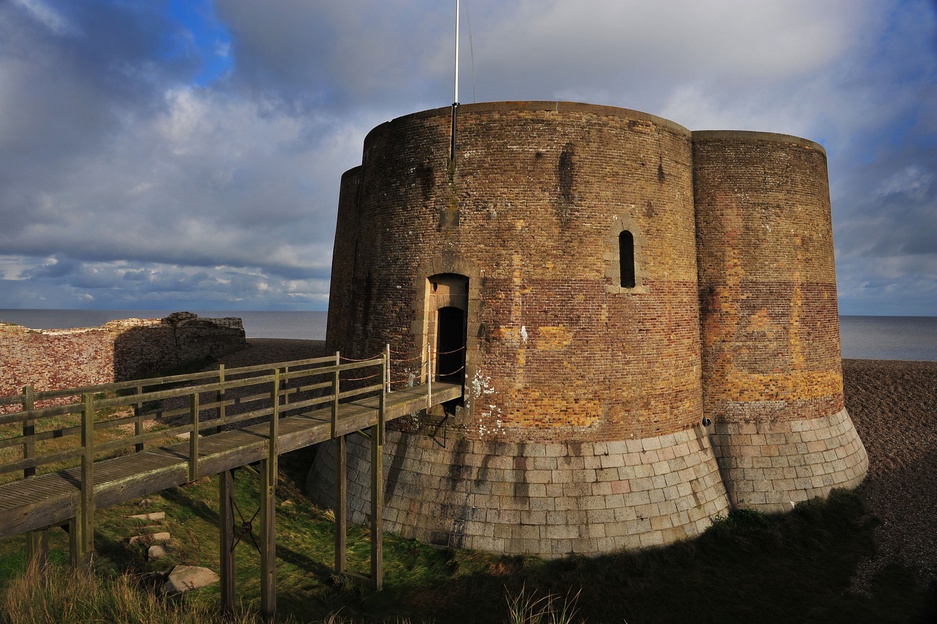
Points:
[[748, 567]]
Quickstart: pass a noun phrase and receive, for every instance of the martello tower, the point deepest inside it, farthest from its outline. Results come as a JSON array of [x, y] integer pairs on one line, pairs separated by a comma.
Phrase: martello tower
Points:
[[644, 319]]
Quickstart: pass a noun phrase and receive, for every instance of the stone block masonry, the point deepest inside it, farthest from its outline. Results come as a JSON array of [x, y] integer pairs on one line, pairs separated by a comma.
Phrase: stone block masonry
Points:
[[773, 465], [550, 499], [117, 351]]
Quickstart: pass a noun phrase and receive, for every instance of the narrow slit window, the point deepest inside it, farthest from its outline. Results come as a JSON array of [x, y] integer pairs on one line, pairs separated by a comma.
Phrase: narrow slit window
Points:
[[626, 259]]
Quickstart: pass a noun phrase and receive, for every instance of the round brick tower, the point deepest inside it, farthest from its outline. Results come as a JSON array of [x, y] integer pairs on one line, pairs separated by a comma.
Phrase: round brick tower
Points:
[[772, 376], [549, 263]]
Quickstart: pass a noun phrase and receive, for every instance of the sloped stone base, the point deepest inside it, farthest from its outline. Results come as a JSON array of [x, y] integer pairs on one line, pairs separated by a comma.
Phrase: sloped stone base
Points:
[[771, 466], [542, 499]]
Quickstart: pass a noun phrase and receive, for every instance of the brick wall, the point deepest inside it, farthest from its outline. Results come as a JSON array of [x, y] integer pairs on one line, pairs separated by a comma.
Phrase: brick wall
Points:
[[530, 213], [767, 278], [118, 350]]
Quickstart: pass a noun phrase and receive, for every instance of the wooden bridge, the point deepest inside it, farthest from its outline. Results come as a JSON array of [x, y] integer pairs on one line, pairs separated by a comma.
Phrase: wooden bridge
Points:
[[65, 453]]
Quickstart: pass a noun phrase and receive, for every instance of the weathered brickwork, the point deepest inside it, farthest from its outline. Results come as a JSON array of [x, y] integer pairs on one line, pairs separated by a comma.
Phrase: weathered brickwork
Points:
[[731, 314], [537, 197], [767, 279], [118, 350]]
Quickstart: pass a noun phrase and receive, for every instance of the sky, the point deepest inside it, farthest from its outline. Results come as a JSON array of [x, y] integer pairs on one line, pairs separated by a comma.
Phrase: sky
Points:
[[186, 154]]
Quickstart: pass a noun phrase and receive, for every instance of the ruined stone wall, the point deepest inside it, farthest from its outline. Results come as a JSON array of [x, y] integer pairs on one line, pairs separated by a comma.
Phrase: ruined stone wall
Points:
[[116, 351]]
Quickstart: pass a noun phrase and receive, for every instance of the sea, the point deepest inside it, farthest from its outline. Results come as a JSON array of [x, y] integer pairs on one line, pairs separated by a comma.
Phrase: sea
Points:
[[861, 337]]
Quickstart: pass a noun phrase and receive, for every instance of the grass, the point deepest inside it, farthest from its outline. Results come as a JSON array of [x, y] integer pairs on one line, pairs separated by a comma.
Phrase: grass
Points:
[[794, 567], [59, 596]]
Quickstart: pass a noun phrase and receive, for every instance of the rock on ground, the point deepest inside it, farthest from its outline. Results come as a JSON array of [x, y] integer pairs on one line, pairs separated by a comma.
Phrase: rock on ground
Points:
[[183, 578]]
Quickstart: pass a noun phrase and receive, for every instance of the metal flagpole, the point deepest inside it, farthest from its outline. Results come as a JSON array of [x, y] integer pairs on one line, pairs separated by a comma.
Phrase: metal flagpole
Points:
[[455, 99]]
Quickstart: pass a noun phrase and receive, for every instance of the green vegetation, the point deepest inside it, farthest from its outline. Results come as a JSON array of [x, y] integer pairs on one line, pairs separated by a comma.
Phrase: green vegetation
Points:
[[61, 597], [748, 567]]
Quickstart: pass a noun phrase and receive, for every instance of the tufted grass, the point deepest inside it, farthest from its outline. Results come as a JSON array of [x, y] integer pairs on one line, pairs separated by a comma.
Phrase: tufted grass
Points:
[[748, 567]]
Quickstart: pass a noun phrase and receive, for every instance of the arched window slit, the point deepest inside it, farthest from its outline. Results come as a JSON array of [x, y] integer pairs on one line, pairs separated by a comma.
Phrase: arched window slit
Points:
[[626, 259]]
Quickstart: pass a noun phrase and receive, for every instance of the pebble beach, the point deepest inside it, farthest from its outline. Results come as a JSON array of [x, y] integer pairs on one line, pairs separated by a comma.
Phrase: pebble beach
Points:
[[893, 405]]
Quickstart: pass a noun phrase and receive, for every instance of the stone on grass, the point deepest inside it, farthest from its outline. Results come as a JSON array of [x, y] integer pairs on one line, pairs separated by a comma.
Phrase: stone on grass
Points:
[[150, 538], [156, 551], [156, 515], [183, 578]]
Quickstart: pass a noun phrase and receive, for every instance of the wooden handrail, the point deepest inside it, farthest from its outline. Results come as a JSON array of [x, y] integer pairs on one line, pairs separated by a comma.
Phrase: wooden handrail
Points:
[[217, 388]]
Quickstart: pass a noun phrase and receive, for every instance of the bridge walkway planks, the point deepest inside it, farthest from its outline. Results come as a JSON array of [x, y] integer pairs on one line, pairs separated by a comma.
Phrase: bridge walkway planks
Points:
[[53, 499]]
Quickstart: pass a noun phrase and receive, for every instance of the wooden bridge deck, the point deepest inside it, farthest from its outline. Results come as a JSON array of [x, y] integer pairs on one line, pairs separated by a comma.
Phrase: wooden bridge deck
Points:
[[52, 499]]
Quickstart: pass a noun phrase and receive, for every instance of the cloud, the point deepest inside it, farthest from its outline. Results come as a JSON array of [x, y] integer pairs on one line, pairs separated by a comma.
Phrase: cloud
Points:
[[154, 155]]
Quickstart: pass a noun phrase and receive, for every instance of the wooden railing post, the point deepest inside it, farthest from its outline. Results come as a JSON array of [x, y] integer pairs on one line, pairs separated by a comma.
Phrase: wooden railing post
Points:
[[84, 525], [193, 436], [29, 430], [37, 542], [336, 379], [220, 397], [275, 414], [429, 376], [382, 400], [138, 420], [387, 368]]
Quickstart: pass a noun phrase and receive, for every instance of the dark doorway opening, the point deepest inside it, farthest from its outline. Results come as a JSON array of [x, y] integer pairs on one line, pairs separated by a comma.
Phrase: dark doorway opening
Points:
[[450, 345]]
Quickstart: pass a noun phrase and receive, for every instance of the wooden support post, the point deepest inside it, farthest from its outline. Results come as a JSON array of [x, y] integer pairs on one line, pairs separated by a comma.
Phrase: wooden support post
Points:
[[193, 436], [37, 549], [226, 530], [268, 544], [377, 509], [377, 488], [74, 542], [341, 505], [83, 544]]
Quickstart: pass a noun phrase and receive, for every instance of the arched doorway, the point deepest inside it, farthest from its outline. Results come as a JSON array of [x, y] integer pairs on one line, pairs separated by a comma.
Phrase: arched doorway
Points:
[[446, 323]]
